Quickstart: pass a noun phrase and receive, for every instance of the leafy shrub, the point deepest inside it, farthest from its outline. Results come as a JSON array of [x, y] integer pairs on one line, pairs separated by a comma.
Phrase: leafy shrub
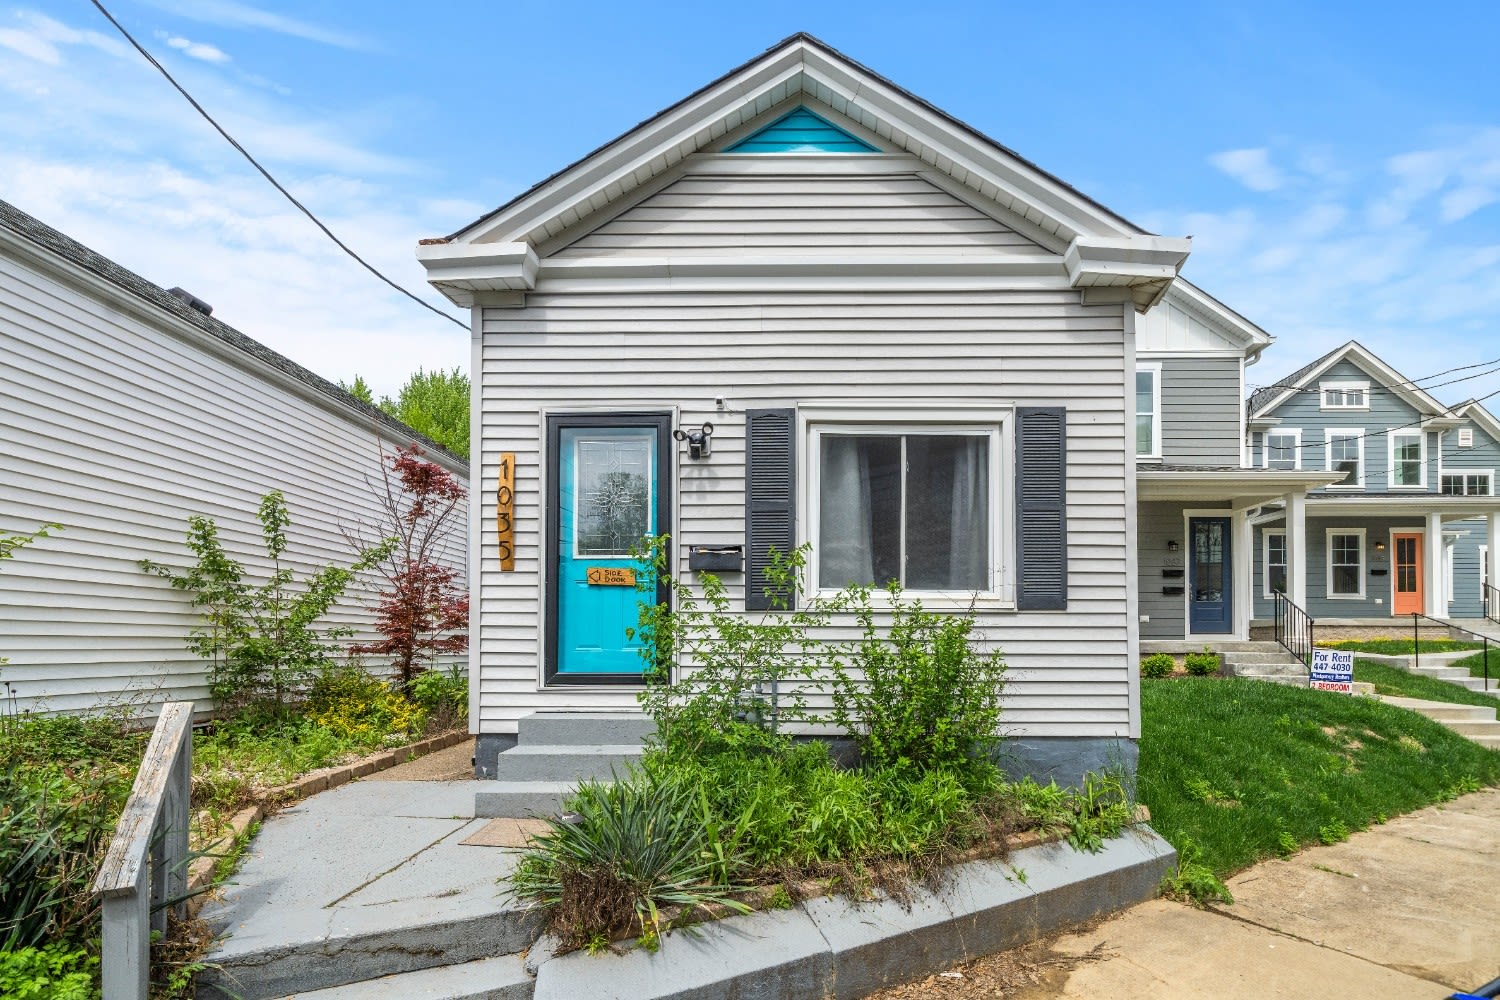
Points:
[[632, 848], [443, 695], [355, 705], [1202, 664], [1191, 881], [54, 972], [1157, 665], [918, 692]]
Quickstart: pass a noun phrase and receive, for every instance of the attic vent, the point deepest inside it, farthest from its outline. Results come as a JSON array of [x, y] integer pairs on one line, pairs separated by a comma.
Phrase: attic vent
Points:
[[192, 300], [1466, 437], [801, 131]]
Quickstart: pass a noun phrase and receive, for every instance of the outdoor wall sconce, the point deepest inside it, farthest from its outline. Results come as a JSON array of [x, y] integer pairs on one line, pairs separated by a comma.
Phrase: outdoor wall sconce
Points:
[[1172, 545], [699, 445], [1380, 546]]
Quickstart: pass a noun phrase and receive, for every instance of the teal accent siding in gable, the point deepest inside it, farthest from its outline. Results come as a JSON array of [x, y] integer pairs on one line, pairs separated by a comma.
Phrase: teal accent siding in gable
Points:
[[801, 131]]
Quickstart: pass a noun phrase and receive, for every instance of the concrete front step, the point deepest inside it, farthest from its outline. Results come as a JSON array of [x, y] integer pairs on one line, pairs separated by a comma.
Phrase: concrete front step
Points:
[[521, 799], [584, 728], [503, 978], [1278, 655], [1442, 711], [360, 948], [558, 762], [1451, 676]]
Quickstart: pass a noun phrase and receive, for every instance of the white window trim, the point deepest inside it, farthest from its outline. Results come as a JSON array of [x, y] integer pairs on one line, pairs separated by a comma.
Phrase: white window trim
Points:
[[1265, 445], [1464, 474], [997, 424], [1329, 434], [1265, 552], [1156, 450], [1466, 437], [1342, 385], [1390, 457], [1328, 564]]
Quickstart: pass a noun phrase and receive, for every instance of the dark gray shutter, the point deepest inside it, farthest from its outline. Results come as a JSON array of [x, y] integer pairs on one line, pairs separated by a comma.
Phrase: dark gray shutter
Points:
[[1041, 508], [770, 497]]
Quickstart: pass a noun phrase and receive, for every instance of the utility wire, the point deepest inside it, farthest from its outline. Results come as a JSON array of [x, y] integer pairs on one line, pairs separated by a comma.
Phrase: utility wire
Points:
[[1413, 383], [267, 174]]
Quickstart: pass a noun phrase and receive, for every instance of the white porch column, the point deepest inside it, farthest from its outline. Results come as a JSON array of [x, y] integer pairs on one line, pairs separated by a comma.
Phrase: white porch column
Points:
[[1296, 544], [1432, 570], [1244, 581], [1492, 557]]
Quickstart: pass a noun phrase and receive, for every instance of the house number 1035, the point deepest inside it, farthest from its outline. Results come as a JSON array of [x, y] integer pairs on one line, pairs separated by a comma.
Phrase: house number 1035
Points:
[[505, 511]]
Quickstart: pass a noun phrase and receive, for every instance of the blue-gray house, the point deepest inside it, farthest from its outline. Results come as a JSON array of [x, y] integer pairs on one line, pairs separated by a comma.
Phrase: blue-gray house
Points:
[[1404, 526]]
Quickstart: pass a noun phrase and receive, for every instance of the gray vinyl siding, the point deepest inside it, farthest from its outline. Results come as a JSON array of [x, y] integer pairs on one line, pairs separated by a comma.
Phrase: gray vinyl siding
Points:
[[1377, 600], [705, 215], [1483, 455], [119, 429], [1386, 411], [1157, 523], [653, 350], [1200, 411]]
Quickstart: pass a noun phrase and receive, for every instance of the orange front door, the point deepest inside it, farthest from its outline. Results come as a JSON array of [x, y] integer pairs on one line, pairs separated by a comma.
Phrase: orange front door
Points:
[[1407, 565]]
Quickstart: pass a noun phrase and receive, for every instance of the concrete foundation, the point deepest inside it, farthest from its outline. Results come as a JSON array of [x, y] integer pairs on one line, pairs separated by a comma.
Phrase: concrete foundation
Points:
[[1066, 759], [487, 747]]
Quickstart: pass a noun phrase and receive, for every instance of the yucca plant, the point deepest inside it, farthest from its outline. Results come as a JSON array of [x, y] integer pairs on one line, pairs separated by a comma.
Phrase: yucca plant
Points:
[[625, 851]]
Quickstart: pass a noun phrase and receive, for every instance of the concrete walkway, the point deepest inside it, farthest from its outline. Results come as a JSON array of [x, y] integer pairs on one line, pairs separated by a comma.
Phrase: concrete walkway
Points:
[[1405, 910]]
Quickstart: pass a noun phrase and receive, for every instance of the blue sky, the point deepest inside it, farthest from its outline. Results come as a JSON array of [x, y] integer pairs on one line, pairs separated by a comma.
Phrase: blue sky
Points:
[[1337, 163]]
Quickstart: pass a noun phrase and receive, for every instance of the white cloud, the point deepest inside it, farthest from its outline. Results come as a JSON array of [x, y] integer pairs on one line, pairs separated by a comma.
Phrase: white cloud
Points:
[[231, 14], [1251, 167], [30, 45], [198, 50]]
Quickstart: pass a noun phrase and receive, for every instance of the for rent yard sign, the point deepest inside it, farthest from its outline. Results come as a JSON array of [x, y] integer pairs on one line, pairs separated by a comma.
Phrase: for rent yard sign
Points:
[[1333, 670]]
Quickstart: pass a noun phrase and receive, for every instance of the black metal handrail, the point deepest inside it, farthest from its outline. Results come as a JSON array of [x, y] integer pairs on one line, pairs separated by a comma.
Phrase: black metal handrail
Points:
[[1416, 641], [1294, 630], [1492, 603]]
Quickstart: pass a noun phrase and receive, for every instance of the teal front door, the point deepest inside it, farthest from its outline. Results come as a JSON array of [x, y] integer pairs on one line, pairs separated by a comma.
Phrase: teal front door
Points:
[[608, 492]]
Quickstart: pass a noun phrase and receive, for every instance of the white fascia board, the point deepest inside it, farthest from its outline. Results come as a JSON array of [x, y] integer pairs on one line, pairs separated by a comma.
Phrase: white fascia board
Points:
[[1383, 374], [951, 150], [1253, 337], [842, 264], [484, 267], [1475, 411]]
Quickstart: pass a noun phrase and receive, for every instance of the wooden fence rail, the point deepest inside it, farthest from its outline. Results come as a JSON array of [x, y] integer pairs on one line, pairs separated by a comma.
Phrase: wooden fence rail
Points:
[[150, 843]]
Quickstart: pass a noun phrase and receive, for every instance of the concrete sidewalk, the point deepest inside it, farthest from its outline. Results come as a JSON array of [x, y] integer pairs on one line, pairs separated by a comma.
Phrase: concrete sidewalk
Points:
[[1405, 910]]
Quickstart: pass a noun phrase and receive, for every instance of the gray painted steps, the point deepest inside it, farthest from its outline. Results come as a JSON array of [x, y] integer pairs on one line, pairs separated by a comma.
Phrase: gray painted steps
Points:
[[584, 728], [521, 799], [556, 762], [555, 751], [502, 978]]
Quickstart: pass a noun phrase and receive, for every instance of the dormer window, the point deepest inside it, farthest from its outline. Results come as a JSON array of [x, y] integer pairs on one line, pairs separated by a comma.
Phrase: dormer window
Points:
[[1344, 395]]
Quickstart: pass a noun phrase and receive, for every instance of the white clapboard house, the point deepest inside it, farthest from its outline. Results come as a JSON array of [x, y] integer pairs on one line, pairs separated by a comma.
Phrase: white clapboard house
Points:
[[124, 409], [916, 352]]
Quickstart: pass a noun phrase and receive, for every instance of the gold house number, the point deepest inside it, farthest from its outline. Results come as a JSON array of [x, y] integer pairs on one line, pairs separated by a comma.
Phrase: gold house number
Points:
[[505, 511]]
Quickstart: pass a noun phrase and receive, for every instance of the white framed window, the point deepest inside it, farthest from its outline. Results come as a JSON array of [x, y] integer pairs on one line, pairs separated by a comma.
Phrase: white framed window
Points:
[[1407, 469], [917, 503], [1344, 395], [1148, 410], [1283, 449], [1344, 452], [1273, 574], [1474, 483], [1346, 563]]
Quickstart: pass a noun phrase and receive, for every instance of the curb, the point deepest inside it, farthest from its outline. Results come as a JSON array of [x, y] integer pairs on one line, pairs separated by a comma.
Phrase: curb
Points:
[[201, 871]]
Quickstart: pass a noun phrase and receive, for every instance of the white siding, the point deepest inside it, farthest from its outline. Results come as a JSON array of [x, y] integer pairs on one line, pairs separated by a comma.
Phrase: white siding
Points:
[[120, 429], [656, 351], [704, 215]]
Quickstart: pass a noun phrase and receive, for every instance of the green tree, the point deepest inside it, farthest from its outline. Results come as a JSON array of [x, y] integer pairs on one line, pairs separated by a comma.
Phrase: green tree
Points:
[[359, 389], [435, 403]]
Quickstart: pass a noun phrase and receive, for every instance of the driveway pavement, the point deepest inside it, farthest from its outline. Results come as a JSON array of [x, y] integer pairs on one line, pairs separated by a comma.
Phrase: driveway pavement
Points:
[[1406, 909]]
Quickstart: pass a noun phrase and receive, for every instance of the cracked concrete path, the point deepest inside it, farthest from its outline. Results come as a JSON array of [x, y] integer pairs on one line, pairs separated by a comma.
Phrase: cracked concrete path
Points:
[[1405, 909]]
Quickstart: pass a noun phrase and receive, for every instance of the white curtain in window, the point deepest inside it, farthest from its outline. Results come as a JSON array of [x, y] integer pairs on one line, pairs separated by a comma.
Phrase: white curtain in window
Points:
[[970, 555], [844, 529]]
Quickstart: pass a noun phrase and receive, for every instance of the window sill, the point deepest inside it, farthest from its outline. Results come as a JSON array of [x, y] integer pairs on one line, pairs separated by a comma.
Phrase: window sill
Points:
[[1347, 597], [935, 600]]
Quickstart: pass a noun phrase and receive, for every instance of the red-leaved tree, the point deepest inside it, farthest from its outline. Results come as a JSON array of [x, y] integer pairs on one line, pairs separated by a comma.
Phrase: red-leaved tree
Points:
[[422, 611]]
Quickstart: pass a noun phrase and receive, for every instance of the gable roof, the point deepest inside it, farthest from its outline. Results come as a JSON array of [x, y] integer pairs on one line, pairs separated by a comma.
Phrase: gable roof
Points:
[[497, 251], [42, 237], [1474, 410], [1267, 398]]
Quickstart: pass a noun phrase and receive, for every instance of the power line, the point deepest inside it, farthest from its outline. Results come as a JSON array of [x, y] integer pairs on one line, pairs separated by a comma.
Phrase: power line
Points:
[[1413, 383], [267, 174]]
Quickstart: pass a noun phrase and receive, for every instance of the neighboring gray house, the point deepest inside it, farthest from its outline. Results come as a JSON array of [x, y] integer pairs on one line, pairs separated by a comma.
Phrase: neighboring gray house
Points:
[[917, 353], [123, 411], [1404, 526]]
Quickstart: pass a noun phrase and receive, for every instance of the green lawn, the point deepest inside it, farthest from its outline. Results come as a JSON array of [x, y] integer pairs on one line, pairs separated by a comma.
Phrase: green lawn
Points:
[[1400, 647], [1244, 770], [1394, 680], [1475, 665]]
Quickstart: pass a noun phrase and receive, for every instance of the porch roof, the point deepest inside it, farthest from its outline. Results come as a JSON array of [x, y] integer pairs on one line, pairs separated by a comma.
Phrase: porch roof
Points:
[[1181, 482], [1411, 504]]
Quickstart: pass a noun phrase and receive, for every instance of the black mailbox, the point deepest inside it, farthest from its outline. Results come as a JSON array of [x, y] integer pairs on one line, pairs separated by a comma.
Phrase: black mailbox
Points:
[[716, 558]]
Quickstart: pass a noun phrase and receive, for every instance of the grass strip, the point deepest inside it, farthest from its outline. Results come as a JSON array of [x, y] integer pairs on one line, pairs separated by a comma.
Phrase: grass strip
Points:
[[1400, 647], [1239, 770], [1475, 665], [1395, 681]]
